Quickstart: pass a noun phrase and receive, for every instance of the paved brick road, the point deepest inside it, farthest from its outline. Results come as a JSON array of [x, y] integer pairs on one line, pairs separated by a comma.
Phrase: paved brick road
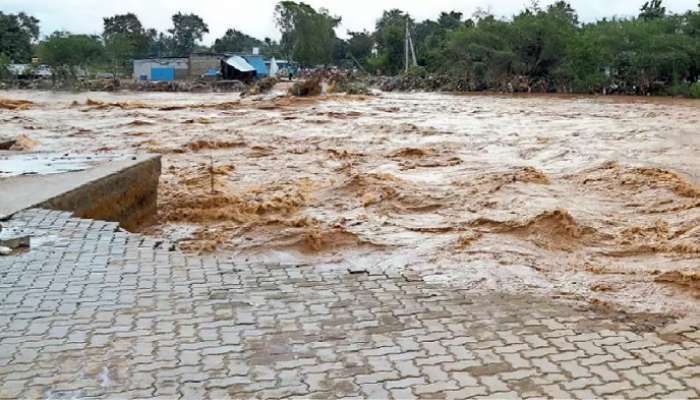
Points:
[[95, 312]]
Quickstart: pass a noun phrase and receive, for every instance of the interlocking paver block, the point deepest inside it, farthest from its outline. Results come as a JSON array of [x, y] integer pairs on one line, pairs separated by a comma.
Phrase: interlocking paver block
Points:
[[103, 313]]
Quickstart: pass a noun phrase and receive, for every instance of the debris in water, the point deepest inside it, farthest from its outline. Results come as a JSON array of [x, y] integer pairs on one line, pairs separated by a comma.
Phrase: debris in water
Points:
[[6, 144], [309, 87], [23, 143], [11, 104]]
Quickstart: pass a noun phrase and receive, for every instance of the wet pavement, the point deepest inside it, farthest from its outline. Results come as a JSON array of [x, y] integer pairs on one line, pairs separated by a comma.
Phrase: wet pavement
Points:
[[92, 311]]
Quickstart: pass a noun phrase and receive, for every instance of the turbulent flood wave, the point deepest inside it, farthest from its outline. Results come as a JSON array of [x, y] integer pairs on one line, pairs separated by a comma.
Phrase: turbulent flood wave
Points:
[[573, 197]]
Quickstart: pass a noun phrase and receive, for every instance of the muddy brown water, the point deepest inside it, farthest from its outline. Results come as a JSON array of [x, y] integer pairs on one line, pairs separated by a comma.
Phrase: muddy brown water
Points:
[[573, 197]]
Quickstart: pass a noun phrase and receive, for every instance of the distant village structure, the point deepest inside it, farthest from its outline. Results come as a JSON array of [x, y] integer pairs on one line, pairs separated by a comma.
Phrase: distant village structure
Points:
[[207, 65], [227, 66]]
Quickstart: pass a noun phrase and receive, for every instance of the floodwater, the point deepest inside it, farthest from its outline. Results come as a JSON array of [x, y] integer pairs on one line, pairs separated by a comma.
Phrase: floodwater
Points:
[[572, 197]]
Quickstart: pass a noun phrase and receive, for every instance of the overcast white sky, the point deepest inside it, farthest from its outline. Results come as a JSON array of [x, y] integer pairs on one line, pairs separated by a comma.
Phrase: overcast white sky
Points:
[[256, 17]]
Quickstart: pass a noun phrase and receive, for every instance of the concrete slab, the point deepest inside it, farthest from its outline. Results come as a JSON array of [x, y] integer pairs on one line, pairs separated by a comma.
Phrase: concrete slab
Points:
[[122, 190], [16, 163]]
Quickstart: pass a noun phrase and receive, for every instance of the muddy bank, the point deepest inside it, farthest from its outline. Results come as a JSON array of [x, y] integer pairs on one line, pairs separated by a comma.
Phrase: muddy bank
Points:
[[573, 197]]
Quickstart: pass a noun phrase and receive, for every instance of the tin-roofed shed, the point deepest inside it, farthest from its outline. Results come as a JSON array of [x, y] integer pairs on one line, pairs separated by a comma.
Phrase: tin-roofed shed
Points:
[[237, 67]]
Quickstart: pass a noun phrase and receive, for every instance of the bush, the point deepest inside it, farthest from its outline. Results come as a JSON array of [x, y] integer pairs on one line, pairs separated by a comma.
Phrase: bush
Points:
[[416, 72], [357, 88], [694, 90], [678, 89]]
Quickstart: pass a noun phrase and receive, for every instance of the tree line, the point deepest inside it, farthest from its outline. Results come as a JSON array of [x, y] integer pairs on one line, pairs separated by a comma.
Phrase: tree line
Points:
[[542, 48]]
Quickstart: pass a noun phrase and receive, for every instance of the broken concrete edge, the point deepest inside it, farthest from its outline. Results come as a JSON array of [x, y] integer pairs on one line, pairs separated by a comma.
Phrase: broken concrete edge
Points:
[[127, 196]]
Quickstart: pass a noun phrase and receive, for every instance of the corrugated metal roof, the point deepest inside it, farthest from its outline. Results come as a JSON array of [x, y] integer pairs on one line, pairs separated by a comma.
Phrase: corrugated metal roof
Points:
[[240, 64]]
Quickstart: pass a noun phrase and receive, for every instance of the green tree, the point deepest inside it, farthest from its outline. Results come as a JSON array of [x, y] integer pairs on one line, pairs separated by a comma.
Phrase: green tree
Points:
[[480, 54], [691, 28], [540, 39], [431, 39], [67, 53], [341, 55], [123, 28], [236, 41], [160, 44], [359, 46], [125, 39], [119, 49], [187, 30], [390, 36], [548, 48], [308, 35], [450, 20], [652, 9], [271, 48], [17, 32], [4, 66]]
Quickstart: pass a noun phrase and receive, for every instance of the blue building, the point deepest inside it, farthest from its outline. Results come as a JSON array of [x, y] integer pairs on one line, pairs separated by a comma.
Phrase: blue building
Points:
[[161, 69], [257, 61]]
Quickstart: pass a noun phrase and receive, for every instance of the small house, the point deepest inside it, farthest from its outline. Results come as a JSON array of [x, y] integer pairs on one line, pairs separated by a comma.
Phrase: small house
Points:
[[161, 69]]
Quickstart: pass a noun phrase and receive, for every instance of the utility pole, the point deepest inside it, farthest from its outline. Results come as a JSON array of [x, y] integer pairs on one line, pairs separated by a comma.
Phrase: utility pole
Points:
[[408, 46], [413, 50], [405, 49]]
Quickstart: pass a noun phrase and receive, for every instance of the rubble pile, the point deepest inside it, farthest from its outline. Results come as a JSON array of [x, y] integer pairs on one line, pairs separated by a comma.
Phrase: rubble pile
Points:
[[348, 83], [416, 82]]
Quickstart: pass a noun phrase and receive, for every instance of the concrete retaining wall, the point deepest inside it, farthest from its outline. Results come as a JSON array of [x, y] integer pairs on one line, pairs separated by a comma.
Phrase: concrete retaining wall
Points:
[[128, 196], [122, 189]]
